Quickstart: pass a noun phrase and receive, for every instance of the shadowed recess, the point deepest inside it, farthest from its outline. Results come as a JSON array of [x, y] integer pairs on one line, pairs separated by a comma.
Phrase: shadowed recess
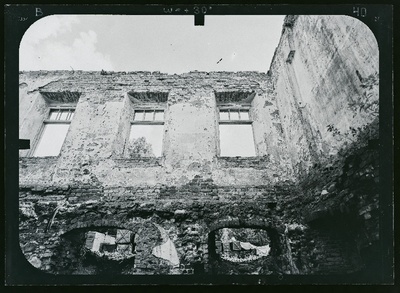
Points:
[[140, 97], [61, 97]]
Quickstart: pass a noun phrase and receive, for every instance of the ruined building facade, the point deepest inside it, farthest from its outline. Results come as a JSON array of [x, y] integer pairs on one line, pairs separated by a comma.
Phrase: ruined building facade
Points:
[[147, 177]]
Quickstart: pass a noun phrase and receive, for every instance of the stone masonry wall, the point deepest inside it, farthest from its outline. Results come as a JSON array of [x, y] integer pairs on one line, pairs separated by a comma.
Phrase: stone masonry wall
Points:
[[324, 82], [55, 211], [340, 211], [312, 186], [99, 130]]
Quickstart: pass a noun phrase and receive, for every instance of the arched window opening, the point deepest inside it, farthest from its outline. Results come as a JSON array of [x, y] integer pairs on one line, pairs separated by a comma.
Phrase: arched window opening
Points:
[[241, 250], [95, 250], [240, 244]]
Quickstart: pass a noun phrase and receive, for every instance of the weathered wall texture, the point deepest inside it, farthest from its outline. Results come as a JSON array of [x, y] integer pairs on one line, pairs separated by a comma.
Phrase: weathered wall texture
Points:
[[304, 177], [334, 72], [99, 131]]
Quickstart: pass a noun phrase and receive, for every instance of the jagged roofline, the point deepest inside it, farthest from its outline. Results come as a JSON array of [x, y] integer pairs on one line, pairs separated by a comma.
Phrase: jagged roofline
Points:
[[288, 22], [223, 95], [144, 72]]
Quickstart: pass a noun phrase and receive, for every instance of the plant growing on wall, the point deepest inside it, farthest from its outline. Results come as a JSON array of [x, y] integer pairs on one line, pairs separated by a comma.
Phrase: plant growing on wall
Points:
[[367, 103], [140, 148], [349, 135], [364, 105], [356, 137]]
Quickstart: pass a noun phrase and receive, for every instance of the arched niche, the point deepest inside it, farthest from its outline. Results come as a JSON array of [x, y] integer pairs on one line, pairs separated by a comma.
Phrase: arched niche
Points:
[[238, 246], [95, 250]]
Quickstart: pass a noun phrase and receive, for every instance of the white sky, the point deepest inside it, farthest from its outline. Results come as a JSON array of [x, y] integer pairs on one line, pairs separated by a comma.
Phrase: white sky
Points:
[[52, 140], [170, 44], [153, 135], [236, 140]]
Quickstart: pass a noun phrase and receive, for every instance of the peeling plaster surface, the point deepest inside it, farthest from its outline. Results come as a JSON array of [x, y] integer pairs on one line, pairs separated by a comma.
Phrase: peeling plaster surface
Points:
[[167, 249], [98, 136], [314, 191], [321, 81]]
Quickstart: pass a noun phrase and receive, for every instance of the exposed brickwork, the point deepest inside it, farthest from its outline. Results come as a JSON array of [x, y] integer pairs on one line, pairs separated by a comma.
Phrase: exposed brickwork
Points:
[[312, 186]]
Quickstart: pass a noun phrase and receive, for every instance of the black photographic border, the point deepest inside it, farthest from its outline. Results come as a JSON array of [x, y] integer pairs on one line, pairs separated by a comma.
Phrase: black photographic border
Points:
[[379, 18]]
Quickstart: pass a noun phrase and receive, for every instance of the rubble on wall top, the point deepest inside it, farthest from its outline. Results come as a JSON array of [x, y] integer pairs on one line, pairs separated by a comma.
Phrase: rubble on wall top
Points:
[[154, 73], [289, 20], [70, 83]]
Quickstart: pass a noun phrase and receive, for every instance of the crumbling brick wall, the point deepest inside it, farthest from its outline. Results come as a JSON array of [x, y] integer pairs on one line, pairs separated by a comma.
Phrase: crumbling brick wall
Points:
[[310, 170]]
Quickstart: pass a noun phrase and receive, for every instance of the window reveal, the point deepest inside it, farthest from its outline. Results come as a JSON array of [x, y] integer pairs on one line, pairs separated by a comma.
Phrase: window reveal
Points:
[[54, 131], [146, 133], [236, 133]]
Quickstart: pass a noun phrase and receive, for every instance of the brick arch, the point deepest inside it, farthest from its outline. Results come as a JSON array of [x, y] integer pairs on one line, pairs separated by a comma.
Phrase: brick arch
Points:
[[134, 227], [257, 223], [274, 229]]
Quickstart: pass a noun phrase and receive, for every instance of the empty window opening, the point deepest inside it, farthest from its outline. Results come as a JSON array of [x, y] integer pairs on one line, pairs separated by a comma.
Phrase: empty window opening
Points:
[[145, 139], [240, 244], [234, 114], [148, 115], [54, 132], [95, 250], [236, 133]]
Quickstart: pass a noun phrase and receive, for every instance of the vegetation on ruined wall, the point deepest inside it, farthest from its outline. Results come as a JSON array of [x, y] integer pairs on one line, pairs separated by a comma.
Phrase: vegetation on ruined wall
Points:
[[140, 148], [367, 103], [317, 225], [346, 191], [355, 138], [362, 147], [364, 105]]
